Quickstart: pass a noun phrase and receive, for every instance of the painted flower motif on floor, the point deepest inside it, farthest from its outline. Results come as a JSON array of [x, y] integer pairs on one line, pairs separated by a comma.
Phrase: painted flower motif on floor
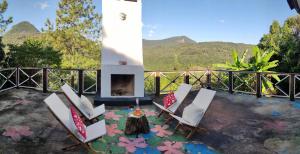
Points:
[[150, 113], [112, 115], [132, 144], [171, 148], [276, 125], [147, 150], [16, 132], [198, 148], [23, 102], [149, 135], [112, 130], [161, 131]]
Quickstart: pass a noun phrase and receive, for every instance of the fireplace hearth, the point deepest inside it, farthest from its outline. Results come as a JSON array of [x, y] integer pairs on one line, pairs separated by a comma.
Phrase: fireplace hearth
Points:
[[122, 85]]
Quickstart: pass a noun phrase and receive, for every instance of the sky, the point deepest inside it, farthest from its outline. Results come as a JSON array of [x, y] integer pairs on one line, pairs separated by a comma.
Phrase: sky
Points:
[[240, 21]]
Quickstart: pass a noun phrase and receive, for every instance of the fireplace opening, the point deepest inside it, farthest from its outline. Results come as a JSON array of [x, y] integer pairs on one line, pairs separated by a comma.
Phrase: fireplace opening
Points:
[[122, 85]]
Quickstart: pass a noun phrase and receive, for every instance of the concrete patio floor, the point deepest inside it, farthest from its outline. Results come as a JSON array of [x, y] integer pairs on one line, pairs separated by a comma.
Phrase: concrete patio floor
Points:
[[236, 124]]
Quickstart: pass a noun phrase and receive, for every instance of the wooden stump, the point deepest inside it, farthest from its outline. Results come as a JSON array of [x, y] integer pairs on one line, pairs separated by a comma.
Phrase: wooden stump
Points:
[[137, 125]]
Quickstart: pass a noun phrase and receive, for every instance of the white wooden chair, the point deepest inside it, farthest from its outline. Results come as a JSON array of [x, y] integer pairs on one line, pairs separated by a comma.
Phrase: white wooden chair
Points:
[[62, 113], [76, 101], [180, 95], [193, 113]]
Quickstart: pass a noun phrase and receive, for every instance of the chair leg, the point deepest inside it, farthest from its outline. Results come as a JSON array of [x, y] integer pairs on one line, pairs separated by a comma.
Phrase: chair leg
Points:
[[70, 147], [168, 120], [191, 133], [89, 147], [203, 129], [160, 113], [176, 128]]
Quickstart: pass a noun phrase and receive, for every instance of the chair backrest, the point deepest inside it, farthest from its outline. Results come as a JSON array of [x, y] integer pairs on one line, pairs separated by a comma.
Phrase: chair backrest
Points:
[[193, 114], [204, 98], [60, 111], [180, 95], [71, 95]]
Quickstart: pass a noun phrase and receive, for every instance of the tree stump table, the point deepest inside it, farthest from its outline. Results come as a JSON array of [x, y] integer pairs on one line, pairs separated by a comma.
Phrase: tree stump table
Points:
[[136, 124]]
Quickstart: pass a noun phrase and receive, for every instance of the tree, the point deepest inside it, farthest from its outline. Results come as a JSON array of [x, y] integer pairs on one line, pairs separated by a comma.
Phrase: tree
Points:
[[259, 62], [238, 63], [4, 22], [2, 54], [284, 40], [33, 53], [76, 32], [3, 26]]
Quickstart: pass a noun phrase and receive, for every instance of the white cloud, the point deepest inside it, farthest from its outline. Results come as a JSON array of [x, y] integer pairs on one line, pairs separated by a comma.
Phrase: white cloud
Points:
[[42, 5], [150, 33], [222, 21], [150, 28]]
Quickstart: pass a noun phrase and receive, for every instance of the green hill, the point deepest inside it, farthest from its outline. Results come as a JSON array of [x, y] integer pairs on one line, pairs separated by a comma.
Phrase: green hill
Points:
[[178, 52], [172, 53], [168, 42], [20, 32]]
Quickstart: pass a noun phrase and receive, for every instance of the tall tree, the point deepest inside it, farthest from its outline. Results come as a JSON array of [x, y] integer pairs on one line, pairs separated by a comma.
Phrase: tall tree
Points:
[[75, 33], [4, 22], [37, 53], [285, 41], [3, 25]]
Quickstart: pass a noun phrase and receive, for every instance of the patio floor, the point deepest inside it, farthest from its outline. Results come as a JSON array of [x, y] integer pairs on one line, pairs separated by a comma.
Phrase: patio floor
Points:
[[235, 123]]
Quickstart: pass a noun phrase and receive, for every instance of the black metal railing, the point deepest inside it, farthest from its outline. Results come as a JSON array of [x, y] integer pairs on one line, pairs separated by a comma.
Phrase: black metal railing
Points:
[[156, 82]]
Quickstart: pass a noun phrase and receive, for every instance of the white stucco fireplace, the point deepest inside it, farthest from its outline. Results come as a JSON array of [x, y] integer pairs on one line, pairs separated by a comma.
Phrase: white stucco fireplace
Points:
[[122, 69]]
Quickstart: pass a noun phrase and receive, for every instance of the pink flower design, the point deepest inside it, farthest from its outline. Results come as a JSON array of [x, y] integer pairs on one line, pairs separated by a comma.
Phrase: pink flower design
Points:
[[112, 115], [150, 112], [23, 102], [112, 131], [171, 148], [277, 125], [161, 131], [17, 132], [131, 145]]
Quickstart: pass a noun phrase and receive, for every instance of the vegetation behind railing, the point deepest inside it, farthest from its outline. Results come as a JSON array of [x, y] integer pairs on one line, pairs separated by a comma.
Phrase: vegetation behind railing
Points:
[[85, 81]]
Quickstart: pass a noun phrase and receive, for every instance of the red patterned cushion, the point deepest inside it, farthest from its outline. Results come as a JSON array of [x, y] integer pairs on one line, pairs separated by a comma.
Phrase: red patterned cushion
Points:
[[169, 100], [81, 128]]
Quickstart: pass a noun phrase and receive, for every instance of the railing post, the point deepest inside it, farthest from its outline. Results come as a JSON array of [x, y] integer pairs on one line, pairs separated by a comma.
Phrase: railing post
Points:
[[72, 81], [187, 78], [80, 82], [45, 80], [230, 82], [208, 79], [157, 83], [17, 77], [98, 83], [292, 87], [258, 84]]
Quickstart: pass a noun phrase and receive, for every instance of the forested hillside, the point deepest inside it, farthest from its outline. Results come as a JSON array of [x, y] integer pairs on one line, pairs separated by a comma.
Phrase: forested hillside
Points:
[[180, 53], [20, 32], [175, 53]]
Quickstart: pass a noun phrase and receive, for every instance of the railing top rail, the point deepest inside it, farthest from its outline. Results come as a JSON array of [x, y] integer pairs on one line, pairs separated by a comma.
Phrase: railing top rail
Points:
[[5, 69], [32, 68], [278, 73], [149, 71]]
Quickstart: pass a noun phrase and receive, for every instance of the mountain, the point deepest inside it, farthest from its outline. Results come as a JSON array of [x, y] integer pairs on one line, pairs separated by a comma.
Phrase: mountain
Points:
[[171, 53], [20, 32], [169, 41], [178, 52]]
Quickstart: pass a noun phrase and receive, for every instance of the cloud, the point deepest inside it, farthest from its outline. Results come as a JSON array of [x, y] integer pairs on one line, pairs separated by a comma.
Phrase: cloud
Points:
[[150, 33], [150, 28], [42, 5], [221, 21]]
